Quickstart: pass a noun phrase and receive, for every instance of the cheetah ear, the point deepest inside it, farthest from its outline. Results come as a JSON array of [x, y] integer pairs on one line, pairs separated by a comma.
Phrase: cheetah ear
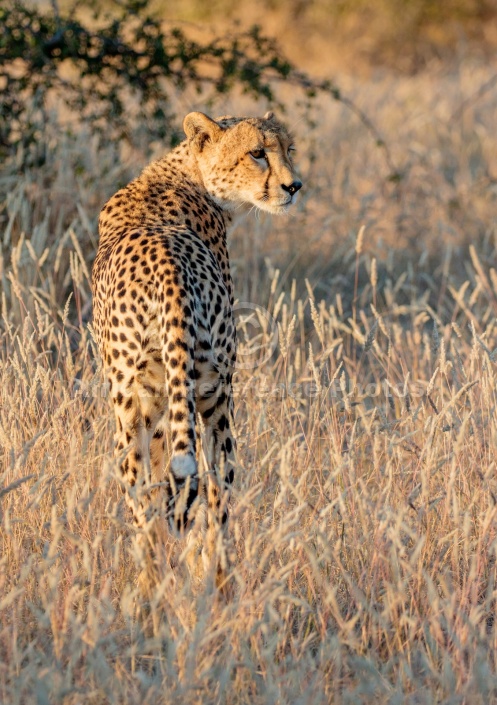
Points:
[[199, 129], [269, 115]]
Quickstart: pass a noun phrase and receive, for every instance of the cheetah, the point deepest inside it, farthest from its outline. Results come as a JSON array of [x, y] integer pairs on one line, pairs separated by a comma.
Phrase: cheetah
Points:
[[162, 309]]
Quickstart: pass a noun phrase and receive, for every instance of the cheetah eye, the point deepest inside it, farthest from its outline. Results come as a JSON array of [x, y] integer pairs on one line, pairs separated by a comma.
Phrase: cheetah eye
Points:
[[258, 154], [291, 150]]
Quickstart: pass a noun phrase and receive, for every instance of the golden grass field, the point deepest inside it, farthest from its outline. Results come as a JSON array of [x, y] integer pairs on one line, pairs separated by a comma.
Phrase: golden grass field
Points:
[[363, 530]]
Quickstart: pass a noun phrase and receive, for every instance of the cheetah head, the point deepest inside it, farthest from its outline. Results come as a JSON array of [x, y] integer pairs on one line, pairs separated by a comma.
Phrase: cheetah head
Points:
[[244, 160]]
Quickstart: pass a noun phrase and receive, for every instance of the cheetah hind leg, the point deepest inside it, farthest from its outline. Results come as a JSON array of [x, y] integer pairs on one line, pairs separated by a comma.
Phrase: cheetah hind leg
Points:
[[194, 553], [217, 547], [132, 450]]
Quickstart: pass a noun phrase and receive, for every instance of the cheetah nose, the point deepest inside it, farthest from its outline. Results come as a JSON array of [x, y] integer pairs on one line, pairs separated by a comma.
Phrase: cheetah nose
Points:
[[293, 188]]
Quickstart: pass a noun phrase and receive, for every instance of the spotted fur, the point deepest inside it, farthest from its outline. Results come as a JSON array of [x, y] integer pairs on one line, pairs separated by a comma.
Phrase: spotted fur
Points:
[[163, 298]]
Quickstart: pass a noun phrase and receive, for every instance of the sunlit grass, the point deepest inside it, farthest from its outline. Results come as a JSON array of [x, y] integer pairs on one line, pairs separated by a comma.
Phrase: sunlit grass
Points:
[[363, 522]]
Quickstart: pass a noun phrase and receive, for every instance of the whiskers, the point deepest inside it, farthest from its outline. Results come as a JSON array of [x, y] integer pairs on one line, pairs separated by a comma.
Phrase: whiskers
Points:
[[265, 204], [257, 210]]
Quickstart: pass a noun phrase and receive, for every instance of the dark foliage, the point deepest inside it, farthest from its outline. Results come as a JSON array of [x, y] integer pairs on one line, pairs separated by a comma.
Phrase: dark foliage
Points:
[[121, 74]]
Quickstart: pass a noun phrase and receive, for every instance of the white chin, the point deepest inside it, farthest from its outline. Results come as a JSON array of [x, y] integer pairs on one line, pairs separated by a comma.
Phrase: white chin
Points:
[[274, 208]]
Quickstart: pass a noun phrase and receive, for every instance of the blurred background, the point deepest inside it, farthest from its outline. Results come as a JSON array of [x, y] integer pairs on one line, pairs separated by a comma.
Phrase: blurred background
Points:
[[392, 102], [393, 106], [357, 35]]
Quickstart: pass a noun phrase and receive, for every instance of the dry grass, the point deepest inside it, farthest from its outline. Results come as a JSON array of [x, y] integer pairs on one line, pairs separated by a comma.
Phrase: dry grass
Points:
[[364, 513]]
